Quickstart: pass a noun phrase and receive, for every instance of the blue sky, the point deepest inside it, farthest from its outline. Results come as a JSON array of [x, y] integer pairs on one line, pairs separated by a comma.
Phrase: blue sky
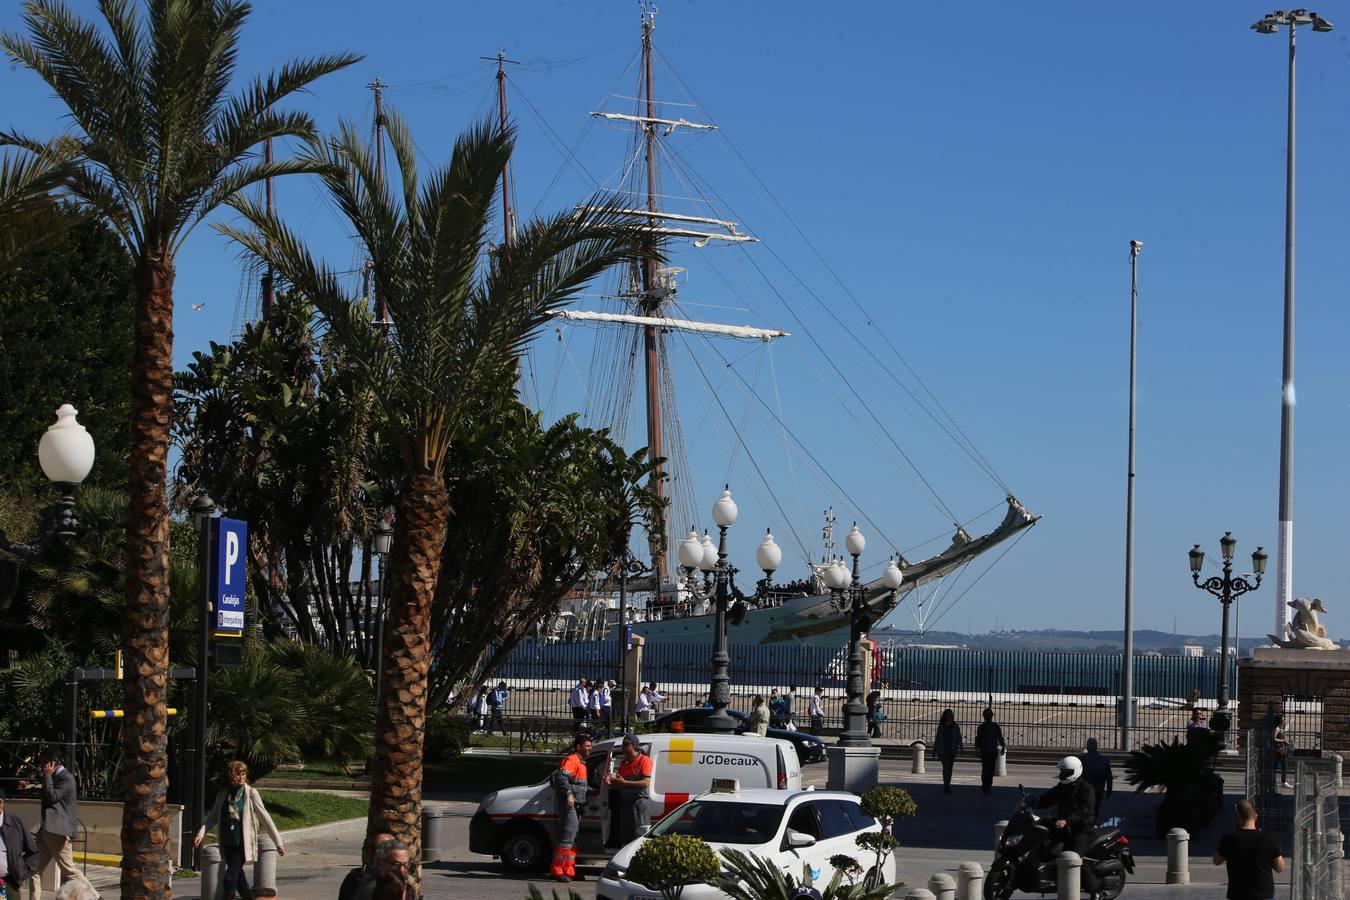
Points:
[[974, 179]]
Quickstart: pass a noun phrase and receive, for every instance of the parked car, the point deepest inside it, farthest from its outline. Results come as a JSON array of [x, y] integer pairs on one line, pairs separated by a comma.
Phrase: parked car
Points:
[[810, 749], [790, 829], [517, 824]]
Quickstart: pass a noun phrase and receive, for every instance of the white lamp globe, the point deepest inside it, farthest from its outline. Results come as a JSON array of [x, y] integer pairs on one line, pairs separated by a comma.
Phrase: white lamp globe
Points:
[[709, 560], [66, 451], [724, 510], [769, 555], [892, 577], [835, 576], [691, 552], [855, 543]]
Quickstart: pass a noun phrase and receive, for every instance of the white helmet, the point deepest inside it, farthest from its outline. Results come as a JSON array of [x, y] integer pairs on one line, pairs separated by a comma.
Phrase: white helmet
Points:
[[1070, 768]]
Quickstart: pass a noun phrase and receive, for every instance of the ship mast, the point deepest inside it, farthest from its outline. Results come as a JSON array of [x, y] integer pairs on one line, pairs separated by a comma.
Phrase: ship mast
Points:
[[651, 298], [508, 214], [269, 277], [377, 87]]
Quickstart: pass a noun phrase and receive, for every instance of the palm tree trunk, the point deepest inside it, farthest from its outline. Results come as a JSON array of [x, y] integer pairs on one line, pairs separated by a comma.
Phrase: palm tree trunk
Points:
[[146, 866], [423, 509]]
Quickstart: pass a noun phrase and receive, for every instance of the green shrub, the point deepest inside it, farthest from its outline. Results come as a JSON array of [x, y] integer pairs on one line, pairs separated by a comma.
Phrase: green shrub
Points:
[[669, 862], [447, 736], [755, 878]]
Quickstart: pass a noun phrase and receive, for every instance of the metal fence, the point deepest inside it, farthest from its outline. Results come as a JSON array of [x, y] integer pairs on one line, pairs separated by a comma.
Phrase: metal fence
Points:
[[1042, 700]]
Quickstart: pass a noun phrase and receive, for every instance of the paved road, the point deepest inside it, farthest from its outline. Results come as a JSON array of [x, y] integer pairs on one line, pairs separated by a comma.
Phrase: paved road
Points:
[[949, 829]]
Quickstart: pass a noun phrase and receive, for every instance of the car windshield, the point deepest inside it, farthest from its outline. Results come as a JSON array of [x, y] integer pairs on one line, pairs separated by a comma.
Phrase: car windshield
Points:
[[723, 823]]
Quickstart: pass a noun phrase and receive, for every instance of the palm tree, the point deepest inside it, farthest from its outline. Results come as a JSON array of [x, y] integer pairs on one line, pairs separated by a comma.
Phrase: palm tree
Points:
[[161, 143], [26, 185], [459, 316]]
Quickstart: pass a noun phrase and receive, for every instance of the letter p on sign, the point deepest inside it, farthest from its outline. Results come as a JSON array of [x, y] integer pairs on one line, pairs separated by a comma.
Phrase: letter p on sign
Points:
[[231, 553]]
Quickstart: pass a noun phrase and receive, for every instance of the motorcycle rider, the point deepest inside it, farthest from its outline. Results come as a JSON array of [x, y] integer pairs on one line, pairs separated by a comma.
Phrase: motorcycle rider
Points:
[[1074, 801]]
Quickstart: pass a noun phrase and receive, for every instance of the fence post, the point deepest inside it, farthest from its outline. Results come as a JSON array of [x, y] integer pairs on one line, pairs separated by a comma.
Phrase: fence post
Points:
[[212, 888], [916, 767], [919, 894], [943, 886], [969, 881], [999, 827], [434, 842], [1069, 883], [265, 866], [1178, 856], [1337, 761]]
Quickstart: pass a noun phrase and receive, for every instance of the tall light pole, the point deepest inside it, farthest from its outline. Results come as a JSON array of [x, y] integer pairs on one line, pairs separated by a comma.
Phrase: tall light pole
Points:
[[719, 720], [1284, 550], [855, 733], [203, 511], [1127, 687], [383, 542], [1227, 588]]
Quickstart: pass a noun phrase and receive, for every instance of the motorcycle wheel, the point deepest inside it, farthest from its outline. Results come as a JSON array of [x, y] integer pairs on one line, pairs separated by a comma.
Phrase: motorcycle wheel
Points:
[[1112, 885], [1001, 881]]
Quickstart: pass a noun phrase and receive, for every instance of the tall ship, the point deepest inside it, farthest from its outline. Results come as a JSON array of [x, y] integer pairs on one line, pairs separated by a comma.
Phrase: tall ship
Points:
[[641, 327]]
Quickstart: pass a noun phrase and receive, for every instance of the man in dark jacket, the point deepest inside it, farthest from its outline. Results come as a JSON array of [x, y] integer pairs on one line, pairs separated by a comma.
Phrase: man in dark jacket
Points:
[[60, 817], [18, 851], [1073, 799], [989, 743], [1097, 772]]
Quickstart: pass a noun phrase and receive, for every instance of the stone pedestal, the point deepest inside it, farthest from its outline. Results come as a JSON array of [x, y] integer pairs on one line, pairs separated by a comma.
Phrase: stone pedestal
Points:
[[852, 769], [1273, 673]]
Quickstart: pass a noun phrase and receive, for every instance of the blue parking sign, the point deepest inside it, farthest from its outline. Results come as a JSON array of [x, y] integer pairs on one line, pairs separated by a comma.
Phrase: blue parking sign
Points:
[[229, 568]]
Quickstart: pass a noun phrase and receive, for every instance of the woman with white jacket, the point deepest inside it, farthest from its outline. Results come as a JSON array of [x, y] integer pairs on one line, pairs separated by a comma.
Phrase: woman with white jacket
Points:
[[238, 808]]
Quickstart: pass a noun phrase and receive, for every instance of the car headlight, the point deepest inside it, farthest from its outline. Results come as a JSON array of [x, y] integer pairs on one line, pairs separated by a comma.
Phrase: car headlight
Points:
[[488, 801], [613, 872]]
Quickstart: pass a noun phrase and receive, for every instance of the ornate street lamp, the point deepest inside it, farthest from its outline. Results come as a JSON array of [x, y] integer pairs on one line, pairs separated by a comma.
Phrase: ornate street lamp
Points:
[[382, 541], [66, 454], [837, 578], [769, 557], [1227, 588], [719, 720]]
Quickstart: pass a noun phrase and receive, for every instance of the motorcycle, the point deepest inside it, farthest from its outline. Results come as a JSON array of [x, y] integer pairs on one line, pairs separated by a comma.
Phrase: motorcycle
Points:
[[1023, 861]]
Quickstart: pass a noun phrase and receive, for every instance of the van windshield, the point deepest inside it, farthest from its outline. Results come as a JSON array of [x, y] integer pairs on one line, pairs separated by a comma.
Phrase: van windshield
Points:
[[723, 823]]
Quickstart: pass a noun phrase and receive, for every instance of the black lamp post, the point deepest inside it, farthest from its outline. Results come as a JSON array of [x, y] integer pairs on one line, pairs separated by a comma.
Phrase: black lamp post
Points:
[[383, 542], [203, 510], [837, 578], [1227, 588], [720, 721]]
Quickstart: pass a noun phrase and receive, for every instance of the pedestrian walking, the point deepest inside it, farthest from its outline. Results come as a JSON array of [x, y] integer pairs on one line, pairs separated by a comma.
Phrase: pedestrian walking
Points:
[[1252, 857], [1195, 725], [989, 744], [480, 707], [875, 714], [607, 706], [56, 827], [777, 707], [633, 783], [1280, 746], [579, 702], [238, 808], [947, 746], [656, 698], [18, 852], [570, 788], [790, 708], [497, 704], [595, 703], [818, 711], [759, 716], [1097, 772]]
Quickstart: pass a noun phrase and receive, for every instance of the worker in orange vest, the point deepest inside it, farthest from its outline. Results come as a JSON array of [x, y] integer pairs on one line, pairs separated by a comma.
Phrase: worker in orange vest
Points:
[[570, 788], [634, 780]]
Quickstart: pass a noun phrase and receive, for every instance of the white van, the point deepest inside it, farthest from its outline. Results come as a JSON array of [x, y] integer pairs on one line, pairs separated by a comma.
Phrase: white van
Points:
[[520, 824]]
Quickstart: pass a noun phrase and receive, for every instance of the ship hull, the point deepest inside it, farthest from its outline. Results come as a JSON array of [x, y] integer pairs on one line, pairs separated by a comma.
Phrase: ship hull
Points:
[[814, 621]]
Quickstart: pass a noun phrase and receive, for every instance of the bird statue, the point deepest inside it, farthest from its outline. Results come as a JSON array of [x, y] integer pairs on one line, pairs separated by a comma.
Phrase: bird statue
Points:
[[1306, 631]]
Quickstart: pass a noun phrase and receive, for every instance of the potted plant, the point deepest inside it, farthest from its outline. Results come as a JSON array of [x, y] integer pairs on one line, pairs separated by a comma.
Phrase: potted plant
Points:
[[1192, 790]]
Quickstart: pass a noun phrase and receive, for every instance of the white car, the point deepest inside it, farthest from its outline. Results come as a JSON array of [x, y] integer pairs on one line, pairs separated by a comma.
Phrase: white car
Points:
[[792, 829]]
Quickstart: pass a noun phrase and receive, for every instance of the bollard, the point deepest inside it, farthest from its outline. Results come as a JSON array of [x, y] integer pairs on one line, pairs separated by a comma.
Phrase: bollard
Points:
[[265, 866], [435, 842], [213, 872], [943, 886], [1069, 882], [1178, 856], [1001, 766], [1337, 760], [919, 894], [999, 827], [916, 767], [969, 881]]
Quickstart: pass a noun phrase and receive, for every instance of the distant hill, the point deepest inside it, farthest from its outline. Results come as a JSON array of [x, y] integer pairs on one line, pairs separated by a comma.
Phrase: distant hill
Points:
[[1055, 640]]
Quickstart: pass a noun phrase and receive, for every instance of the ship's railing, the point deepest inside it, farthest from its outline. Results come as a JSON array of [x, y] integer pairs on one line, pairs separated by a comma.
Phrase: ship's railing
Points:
[[1041, 700]]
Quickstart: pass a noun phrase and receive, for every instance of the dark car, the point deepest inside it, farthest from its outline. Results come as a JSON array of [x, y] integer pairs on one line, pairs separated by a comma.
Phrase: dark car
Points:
[[810, 749]]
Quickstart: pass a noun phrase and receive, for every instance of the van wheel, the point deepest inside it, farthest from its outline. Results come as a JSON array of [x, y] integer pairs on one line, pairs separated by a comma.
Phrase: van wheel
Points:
[[525, 849]]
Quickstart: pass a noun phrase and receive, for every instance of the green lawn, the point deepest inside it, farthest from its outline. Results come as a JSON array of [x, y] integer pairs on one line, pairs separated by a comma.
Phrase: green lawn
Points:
[[299, 809], [323, 770]]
